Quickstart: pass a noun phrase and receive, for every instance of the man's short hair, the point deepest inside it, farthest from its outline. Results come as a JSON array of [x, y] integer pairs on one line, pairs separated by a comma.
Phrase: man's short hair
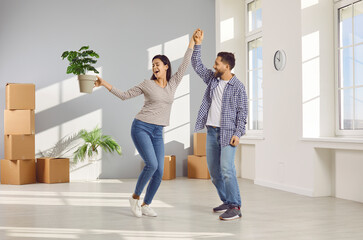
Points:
[[227, 58]]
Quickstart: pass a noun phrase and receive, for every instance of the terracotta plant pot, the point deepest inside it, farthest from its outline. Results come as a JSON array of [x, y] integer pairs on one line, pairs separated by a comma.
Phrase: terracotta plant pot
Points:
[[86, 83]]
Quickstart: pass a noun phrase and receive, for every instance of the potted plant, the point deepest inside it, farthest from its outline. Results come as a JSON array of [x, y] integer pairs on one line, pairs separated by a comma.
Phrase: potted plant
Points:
[[92, 141], [80, 62]]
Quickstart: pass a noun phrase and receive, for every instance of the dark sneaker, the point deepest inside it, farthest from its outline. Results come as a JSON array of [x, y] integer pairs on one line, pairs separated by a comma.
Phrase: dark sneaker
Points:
[[231, 214], [221, 208]]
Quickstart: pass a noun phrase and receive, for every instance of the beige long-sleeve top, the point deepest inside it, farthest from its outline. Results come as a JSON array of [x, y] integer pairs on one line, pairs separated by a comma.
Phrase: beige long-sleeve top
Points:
[[158, 100]]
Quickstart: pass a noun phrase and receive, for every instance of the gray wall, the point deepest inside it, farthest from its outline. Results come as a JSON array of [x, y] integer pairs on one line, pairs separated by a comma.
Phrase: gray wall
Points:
[[33, 34]]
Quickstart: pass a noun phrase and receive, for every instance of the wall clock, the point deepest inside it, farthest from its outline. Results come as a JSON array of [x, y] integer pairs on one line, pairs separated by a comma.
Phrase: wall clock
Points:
[[279, 60]]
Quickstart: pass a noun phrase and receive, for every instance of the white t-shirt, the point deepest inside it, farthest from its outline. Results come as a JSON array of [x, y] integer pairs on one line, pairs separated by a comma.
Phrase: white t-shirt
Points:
[[215, 110]]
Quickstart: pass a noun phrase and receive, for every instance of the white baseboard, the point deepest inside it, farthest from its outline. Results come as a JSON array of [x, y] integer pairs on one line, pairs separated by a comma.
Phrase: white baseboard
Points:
[[286, 188]]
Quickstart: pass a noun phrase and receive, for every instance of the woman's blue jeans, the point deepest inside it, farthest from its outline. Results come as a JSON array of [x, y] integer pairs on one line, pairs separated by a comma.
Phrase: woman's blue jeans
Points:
[[221, 168], [149, 142]]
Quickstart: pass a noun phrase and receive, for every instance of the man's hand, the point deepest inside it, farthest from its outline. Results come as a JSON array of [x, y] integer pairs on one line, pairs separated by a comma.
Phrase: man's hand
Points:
[[234, 141], [198, 36]]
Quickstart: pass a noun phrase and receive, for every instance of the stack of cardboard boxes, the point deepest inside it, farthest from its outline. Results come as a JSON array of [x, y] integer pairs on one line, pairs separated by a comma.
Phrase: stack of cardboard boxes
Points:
[[18, 167], [197, 163]]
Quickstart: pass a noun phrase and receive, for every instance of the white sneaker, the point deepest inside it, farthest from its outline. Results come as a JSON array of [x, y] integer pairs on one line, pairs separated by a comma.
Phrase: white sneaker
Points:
[[148, 211], [135, 207]]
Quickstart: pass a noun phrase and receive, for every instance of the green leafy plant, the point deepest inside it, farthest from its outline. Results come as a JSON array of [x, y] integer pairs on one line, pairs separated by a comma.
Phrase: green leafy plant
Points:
[[92, 141], [80, 61]]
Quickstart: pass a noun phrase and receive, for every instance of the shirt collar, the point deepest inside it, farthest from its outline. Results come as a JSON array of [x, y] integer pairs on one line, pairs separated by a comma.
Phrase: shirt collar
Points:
[[233, 80]]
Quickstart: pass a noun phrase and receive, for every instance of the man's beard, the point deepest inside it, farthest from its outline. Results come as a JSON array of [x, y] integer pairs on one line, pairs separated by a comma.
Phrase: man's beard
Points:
[[218, 74]]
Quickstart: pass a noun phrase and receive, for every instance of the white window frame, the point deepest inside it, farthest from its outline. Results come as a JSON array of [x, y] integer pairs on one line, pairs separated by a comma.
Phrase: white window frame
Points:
[[251, 36], [339, 132], [257, 30]]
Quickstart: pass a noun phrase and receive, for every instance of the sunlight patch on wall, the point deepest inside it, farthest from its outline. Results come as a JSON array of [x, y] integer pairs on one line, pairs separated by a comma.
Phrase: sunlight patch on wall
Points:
[[180, 135], [311, 79], [310, 46], [88, 121], [175, 49], [60, 92], [158, 49], [308, 3], [311, 84], [227, 29], [311, 118]]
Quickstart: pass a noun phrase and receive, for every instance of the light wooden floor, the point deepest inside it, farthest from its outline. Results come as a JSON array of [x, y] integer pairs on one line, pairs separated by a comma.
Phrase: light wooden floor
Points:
[[99, 210]]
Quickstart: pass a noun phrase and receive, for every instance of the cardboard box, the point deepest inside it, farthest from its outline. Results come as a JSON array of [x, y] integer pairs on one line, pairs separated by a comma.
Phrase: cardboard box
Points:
[[199, 144], [18, 172], [169, 168], [19, 147], [19, 96], [197, 167], [19, 122], [53, 170]]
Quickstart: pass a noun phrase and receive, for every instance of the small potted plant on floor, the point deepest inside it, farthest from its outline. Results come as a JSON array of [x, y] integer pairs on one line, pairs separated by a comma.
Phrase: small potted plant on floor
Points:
[[92, 141], [80, 62]]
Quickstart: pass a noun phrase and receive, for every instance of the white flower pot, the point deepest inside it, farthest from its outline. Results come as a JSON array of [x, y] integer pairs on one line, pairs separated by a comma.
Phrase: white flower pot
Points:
[[86, 83]]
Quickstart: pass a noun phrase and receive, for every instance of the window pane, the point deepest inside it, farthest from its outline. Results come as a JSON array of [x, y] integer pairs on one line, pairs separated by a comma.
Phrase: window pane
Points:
[[251, 55], [346, 109], [259, 52], [345, 26], [358, 108], [260, 115], [254, 15], [251, 84], [253, 115], [255, 54], [259, 83], [251, 8], [358, 64], [346, 68], [358, 22], [258, 14]]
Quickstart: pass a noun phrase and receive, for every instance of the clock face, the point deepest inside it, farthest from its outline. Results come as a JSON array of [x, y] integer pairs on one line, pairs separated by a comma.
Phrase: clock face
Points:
[[279, 60]]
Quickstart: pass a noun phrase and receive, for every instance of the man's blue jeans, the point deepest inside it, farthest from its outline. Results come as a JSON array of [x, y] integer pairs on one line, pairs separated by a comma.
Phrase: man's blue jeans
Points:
[[149, 142], [221, 168]]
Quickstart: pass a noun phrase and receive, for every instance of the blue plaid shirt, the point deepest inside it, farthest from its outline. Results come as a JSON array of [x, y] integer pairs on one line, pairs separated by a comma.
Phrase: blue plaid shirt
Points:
[[234, 102]]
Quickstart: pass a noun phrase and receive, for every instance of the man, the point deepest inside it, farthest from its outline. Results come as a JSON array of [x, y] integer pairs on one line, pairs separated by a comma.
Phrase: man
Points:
[[223, 111]]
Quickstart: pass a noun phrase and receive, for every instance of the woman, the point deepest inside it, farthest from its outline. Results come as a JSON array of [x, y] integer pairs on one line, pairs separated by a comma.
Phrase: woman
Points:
[[147, 127]]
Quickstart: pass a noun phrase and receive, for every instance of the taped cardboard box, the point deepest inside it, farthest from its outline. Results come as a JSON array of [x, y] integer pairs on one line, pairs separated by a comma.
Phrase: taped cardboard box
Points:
[[20, 96], [199, 144], [52, 170], [197, 167], [19, 122], [18, 172], [169, 167], [19, 147]]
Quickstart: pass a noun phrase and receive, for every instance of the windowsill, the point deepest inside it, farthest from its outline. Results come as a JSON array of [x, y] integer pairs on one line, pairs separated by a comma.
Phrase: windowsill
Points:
[[251, 139], [347, 143], [335, 139]]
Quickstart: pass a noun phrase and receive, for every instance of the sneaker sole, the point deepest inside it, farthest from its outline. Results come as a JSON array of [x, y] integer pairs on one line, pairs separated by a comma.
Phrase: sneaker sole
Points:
[[220, 211], [231, 218]]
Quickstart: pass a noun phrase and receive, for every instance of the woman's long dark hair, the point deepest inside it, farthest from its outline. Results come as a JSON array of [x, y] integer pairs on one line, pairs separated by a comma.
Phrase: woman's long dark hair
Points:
[[166, 61]]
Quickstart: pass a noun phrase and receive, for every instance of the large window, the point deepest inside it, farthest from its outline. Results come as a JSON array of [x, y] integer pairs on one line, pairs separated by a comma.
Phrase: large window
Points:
[[254, 64], [350, 68], [255, 85]]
